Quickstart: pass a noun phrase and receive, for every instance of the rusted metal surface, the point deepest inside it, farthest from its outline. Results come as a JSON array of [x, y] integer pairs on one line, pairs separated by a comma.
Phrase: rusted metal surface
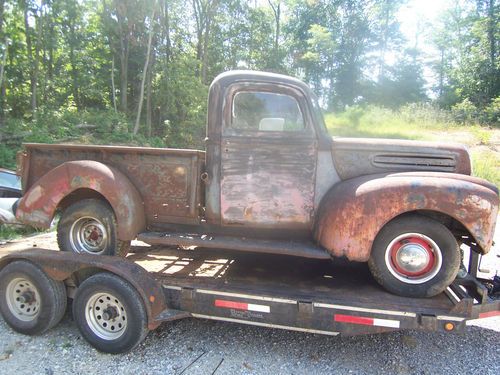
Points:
[[285, 168], [354, 211], [267, 178], [167, 179], [38, 205], [268, 183], [63, 265], [355, 157], [305, 249]]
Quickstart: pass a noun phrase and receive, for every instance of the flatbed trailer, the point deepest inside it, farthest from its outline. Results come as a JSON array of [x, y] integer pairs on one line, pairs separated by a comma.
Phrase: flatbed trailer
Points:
[[317, 296]]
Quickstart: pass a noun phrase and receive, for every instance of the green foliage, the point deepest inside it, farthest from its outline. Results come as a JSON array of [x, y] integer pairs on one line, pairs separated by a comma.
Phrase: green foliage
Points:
[[412, 121], [11, 232], [420, 122], [468, 112], [486, 164], [468, 69], [73, 70]]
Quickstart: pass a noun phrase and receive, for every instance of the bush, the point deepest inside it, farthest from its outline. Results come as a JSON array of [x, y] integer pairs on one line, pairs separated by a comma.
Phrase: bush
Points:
[[492, 112]]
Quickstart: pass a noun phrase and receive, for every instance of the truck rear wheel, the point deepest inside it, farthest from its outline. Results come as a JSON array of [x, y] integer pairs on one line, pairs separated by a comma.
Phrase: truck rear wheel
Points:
[[30, 301], [415, 256], [110, 314], [89, 227]]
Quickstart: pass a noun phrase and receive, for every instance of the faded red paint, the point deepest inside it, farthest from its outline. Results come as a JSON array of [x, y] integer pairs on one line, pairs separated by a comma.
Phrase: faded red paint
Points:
[[272, 193], [167, 180], [38, 205], [354, 211]]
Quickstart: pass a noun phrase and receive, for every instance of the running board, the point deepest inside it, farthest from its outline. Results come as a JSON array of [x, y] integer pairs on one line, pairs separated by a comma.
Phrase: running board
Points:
[[298, 249]]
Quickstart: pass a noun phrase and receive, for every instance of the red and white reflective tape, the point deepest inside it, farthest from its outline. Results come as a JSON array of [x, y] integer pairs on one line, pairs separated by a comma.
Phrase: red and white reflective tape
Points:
[[242, 306], [489, 314], [366, 321]]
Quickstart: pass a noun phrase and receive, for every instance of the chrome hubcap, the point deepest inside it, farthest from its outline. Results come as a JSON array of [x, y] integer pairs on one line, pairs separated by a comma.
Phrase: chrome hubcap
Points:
[[106, 316], [23, 299], [413, 258], [88, 235]]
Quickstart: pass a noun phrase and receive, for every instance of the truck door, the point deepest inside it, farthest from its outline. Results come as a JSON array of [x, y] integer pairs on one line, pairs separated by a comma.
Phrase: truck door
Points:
[[268, 158]]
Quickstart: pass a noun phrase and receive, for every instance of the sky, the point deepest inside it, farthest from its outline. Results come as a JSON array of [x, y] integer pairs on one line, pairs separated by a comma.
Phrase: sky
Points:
[[414, 18]]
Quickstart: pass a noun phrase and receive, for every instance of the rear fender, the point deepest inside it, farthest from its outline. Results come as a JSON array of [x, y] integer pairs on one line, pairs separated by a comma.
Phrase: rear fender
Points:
[[353, 211], [38, 205]]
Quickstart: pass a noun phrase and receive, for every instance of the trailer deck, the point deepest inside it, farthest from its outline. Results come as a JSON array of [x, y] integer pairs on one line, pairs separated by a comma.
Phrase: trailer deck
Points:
[[301, 294], [277, 291]]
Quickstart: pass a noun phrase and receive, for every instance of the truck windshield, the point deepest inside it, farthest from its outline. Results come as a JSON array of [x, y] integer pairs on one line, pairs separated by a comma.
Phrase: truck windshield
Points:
[[318, 113]]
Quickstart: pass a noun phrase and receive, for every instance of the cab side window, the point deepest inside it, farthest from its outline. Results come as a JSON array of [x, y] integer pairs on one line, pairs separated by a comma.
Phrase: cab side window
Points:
[[266, 112]]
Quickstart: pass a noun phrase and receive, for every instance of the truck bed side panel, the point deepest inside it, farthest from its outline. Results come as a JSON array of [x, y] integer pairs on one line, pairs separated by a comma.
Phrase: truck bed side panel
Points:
[[167, 179]]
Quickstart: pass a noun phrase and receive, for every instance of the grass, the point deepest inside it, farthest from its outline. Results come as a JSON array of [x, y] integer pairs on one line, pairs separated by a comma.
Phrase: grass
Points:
[[420, 122], [486, 164], [11, 232]]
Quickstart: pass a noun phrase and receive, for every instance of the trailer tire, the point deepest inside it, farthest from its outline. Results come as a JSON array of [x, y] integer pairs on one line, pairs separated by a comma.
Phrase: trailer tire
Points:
[[89, 226], [110, 314], [30, 301], [415, 256]]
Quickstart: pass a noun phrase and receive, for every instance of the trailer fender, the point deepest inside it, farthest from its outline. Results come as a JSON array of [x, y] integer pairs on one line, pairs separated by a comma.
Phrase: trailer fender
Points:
[[39, 204], [61, 266], [353, 211]]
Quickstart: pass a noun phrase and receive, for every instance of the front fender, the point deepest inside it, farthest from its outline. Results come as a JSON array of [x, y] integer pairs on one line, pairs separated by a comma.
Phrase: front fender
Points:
[[38, 205], [353, 211]]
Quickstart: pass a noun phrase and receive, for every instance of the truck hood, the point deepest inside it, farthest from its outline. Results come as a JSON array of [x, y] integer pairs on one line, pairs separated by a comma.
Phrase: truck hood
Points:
[[355, 157]]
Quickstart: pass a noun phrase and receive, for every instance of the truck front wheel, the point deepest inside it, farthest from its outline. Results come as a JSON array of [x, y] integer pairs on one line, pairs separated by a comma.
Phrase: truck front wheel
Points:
[[89, 226], [415, 256], [110, 313]]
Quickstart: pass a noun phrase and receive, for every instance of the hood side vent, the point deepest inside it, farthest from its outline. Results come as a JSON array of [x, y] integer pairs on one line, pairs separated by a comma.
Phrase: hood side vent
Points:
[[426, 162]]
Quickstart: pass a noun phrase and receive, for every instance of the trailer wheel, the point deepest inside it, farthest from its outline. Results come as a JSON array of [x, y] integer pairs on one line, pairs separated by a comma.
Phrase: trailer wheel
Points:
[[89, 227], [30, 301], [415, 256], [110, 313]]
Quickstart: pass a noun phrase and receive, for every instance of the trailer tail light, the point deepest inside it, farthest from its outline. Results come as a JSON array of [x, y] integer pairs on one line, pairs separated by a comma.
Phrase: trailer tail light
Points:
[[366, 321], [242, 306]]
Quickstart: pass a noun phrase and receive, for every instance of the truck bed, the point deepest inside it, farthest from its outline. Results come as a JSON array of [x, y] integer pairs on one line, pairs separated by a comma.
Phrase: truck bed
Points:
[[168, 179]]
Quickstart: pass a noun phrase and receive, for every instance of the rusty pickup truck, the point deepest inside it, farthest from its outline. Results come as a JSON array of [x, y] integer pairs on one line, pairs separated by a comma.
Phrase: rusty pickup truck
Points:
[[272, 180]]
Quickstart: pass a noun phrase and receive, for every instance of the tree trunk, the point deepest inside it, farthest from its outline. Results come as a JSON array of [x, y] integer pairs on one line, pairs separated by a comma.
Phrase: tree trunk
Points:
[[144, 73], [277, 19], [492, 25], [4, 58], [33, 70], [113, 90], [38, 41], [385, 37], [206, 39], [441, 75], [74, 70], [149, 89], [124, 56]]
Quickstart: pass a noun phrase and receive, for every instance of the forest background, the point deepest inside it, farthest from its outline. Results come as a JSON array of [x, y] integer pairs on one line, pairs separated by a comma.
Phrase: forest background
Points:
[[137, 72]]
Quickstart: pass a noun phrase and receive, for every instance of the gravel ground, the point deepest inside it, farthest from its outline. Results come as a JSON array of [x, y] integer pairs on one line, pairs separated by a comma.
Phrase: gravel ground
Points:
[[193, 346], [203, 347]]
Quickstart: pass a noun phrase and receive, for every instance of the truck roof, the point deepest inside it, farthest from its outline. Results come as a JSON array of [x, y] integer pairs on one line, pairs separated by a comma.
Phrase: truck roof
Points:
[[225, 79]]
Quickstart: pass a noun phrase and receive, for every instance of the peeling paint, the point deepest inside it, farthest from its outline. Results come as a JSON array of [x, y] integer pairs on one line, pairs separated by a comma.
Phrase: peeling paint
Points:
[[354, 211]]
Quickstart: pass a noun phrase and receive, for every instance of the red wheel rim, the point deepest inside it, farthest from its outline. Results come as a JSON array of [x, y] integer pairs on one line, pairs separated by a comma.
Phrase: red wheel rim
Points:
[[408, 241]]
